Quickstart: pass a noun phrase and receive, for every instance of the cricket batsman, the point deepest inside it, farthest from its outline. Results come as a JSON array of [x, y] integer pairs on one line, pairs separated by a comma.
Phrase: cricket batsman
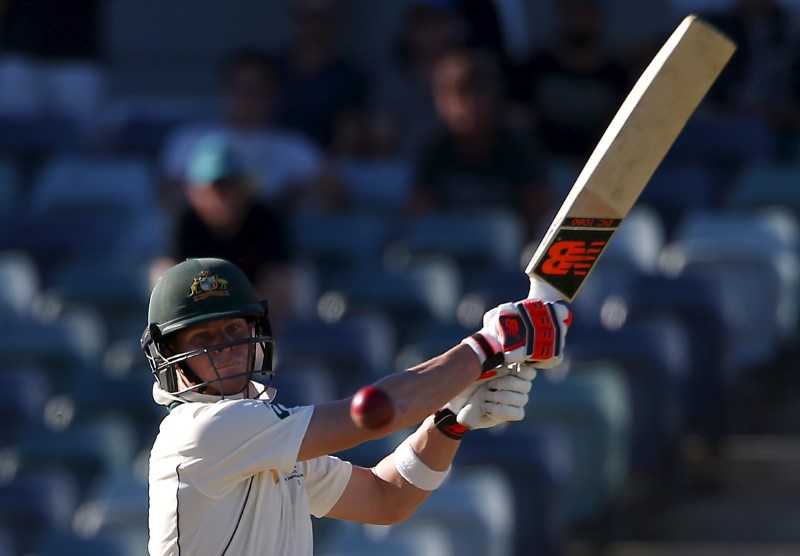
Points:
[[232, 472]]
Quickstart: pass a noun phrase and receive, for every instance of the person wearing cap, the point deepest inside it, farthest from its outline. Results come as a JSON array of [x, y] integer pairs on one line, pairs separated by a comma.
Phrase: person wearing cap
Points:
[[224, 218]]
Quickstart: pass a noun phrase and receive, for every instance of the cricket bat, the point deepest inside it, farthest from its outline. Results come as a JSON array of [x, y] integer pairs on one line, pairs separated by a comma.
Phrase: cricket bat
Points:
[[636, 141]]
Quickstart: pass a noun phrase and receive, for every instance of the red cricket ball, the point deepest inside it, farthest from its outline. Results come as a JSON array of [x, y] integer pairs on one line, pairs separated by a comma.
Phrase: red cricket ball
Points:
[[371, 408]]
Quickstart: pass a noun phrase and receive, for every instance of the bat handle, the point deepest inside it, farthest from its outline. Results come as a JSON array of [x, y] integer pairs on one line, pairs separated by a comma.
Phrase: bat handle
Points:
[[544, 291]]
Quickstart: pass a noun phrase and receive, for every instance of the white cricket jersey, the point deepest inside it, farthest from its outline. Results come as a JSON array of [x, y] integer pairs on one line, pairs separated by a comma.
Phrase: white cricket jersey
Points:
[[224, 479]]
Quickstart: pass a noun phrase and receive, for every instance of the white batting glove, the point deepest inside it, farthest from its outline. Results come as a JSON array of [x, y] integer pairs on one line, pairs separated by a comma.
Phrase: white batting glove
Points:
[[530, 331], [499, 398]]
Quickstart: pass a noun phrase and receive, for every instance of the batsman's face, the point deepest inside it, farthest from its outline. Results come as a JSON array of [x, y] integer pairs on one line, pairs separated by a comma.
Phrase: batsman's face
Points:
[[228, 365]]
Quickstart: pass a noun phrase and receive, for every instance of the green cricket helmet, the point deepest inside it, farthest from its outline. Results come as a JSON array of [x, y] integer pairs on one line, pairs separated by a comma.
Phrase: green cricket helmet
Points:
[[196, 291]]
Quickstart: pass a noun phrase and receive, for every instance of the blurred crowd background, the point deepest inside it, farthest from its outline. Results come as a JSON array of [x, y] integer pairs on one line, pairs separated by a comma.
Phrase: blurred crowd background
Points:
[[382, 171]]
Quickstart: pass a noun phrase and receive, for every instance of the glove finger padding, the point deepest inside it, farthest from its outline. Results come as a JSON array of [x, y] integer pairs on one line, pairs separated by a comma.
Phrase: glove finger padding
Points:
[[497, 401]]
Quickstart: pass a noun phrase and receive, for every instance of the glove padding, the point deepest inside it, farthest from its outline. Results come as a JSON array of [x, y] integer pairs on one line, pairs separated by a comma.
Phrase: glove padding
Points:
[[498, 400], [492, 399], [530, 331]]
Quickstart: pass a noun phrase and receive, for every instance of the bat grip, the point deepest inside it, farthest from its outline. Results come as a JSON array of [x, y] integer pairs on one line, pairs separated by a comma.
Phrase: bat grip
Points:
[[544, 291]]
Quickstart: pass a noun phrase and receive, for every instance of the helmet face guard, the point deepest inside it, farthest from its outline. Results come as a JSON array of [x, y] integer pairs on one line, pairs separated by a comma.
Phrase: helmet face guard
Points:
[[194, 292], [165, 364]]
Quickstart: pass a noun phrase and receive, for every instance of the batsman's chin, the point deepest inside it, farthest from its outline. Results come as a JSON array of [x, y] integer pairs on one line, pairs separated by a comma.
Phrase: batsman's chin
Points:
[[233, 379]]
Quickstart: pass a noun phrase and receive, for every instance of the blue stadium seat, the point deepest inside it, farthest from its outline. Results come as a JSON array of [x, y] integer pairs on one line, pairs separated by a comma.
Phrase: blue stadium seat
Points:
[[699, 305], [376, 185], [354, 347], [19, 276], [86, 206], [637, 243], [115, 505], [97, 393], [117, 289], [34, 504], [754, 269], [536, 460], [57, 346], [676, 189], [87, 450], [653, 355], [37, 137], [11, 188], [350, 539], [766, 184], [341, 241], [591, 403], [480, 241], [69, 544], [25, 409], [308, 384], [475, 505], [421, 292]]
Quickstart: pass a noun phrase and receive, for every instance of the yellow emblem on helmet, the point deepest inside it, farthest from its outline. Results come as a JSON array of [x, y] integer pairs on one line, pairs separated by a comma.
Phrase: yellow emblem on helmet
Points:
[[205, 284]]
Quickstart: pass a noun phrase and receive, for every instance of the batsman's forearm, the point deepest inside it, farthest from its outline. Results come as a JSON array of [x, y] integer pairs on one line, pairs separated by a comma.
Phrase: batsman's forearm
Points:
[[421, 390], [415, 393]]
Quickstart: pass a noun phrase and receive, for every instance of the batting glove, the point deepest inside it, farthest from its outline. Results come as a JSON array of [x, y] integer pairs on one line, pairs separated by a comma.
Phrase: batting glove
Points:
[[488, 402], [530, 331]]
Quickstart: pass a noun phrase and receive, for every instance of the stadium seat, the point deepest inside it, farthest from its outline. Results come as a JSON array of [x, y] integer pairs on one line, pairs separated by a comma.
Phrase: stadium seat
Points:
[[475, 505], [479, 242], [96, 393], [34, 504], [20, 278], [117, 289], [591, 403], [766, 184], [653, 355], [25, 409], [637, 243], [421, 292], [70, 544], [87, 450], [57, 346], [86, 206], [536, 460], [756, 272], [350, 539], [306, 384], [341, 241], [376, 185], [699, 305], [115, 505], [353, 347], [11, 189], [37, 137], [676, 189], [716, 139]]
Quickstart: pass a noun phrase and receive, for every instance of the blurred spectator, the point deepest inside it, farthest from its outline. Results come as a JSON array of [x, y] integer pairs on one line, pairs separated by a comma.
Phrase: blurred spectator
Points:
[[484, 28], [52, 59], [572, 88], [322, 87], [224, 219], [761, 79], [402, 98], [284, 163], [478, 161]]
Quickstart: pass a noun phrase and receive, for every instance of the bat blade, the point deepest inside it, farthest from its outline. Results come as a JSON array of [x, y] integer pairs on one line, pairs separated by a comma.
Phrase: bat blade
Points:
[[629, 152]]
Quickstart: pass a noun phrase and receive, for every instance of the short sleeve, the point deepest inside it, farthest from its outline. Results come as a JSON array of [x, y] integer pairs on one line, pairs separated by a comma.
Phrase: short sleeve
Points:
[[226, 442], [325, 478]]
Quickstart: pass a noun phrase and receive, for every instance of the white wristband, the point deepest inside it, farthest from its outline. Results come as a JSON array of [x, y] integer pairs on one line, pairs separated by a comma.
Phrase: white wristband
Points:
[[413, 470]]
